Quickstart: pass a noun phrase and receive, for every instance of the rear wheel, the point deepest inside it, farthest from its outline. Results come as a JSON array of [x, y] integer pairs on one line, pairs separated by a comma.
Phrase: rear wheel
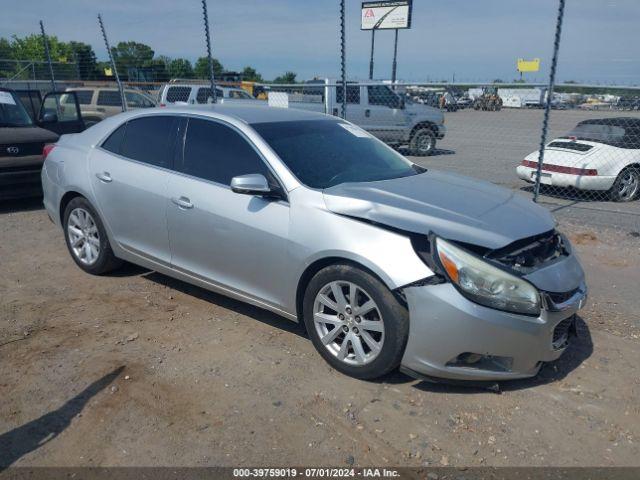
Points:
[[355, 322], [87, 239], [627, 185], [423, 142]]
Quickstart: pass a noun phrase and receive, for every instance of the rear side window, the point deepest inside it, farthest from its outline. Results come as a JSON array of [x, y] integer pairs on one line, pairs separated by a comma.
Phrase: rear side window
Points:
[[84, 96], [114, 142], [109, 98], [215, 152], [178, 94], [149, 140], [353, 94]]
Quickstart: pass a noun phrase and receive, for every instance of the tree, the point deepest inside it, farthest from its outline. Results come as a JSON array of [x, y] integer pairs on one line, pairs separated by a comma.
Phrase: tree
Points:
[[31, 48], [250, 74], [201, 68], [6, 68], [85, 59], [288, 77], [180, 68], [130, 57]]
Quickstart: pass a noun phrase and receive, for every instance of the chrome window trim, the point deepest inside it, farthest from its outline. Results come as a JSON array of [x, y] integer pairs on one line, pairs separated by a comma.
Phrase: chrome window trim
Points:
[[182, 139]]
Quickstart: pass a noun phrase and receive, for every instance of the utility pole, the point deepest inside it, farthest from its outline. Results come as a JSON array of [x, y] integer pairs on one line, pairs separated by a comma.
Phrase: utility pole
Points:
[[373, 42], [395, 56], [212, 79], [343, 64], [547, 104], [113, 63], [47, 53]]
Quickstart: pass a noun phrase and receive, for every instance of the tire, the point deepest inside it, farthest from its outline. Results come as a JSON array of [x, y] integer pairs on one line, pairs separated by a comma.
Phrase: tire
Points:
[[83, 225], [423, 142], [387, 323], [626, 186]]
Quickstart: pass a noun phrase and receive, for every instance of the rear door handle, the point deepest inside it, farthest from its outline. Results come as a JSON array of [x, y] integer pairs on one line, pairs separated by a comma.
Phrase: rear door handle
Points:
[[367, 113], [104, 177], [182, 202]]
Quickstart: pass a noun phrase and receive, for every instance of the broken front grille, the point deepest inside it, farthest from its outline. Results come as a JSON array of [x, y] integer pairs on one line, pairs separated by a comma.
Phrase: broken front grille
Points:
[[530, 253]]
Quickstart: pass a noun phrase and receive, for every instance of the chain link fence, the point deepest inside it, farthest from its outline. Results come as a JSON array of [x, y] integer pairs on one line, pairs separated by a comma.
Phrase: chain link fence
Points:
[[489, 131]]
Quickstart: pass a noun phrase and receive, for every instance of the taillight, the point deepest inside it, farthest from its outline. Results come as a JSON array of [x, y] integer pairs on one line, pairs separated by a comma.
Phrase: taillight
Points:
[[48, 147], [163, 105]]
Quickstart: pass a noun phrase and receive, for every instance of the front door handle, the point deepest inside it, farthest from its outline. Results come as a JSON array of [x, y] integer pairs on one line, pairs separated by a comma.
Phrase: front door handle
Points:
[[367, 113], [182, 202], [104, 177]]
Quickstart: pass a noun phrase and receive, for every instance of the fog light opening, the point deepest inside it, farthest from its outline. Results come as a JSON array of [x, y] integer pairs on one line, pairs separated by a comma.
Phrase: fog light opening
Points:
[[482, 362]]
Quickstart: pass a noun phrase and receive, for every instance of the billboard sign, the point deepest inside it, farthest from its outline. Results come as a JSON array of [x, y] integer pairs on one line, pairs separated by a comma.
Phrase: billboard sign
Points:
[[528, 65], [386, 15]]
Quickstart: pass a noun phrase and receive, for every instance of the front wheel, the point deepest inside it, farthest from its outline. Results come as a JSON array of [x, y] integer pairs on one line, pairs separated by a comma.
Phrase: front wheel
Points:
[[423, 142], [355, 322], [87, 239], [627, 185]]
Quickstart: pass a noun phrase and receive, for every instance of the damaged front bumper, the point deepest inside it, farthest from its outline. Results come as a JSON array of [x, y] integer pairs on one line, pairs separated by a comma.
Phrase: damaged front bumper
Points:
[[451, 337]]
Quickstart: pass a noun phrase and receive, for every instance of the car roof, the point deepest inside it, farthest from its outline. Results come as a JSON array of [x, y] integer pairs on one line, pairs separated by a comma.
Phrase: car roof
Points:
[[247, 113], [617, 121]]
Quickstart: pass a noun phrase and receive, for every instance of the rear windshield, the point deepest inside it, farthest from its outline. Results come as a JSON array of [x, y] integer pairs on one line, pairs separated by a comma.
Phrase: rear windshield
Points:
[[324, 153], [12, 112], [616, 135]]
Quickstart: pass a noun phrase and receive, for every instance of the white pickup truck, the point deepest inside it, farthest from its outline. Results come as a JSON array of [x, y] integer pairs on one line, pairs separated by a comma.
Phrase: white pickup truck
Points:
[[376, 108]]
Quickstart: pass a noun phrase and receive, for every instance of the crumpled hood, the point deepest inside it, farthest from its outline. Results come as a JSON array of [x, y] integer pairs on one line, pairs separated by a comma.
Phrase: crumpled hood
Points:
[[452, 206]]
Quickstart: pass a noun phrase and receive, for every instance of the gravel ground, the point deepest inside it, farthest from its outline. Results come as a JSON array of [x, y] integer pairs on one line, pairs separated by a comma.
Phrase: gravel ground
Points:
[[139, 369]]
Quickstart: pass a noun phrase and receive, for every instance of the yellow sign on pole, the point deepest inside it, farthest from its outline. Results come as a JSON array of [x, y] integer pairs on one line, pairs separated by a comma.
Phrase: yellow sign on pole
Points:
[[108, 72], [528, 65]]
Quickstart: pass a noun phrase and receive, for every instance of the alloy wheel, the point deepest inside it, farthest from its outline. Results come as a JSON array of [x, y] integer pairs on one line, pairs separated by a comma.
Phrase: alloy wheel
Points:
[[348, 322], [629, 184], [424, 143], [84, 237]]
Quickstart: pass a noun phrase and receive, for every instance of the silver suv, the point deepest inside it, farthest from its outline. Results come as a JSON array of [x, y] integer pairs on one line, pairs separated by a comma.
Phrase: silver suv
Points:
[[97, 103]]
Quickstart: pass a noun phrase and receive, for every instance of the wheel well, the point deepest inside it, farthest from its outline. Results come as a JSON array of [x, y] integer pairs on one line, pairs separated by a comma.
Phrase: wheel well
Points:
[[314, 268], [66, 198], [431, 126]]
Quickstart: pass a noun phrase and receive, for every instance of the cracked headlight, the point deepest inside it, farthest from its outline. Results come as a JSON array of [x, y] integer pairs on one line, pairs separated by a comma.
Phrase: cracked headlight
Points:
[[485, 284]]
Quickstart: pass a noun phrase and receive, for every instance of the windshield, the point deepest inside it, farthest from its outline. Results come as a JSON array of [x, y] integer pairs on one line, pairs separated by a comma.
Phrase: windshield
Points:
[[324, 153], [603, 133], [12, 112]]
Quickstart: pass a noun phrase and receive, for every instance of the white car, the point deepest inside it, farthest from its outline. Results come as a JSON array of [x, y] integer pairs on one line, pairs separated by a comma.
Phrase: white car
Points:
[[598, 154]]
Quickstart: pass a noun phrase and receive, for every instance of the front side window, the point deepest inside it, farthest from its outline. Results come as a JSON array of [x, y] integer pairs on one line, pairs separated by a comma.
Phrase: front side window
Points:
[[324, 153], [382, 95], [149, 140], [137, 100], [353, 94], [239, 94], [216, 152], [109, 98]]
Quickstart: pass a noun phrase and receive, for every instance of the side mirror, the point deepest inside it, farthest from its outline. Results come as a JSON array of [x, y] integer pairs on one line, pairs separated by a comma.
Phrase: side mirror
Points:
[[252, 184], [50, 117]]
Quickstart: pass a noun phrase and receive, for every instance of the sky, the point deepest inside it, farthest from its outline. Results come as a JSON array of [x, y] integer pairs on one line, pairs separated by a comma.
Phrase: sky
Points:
[[471, 40]]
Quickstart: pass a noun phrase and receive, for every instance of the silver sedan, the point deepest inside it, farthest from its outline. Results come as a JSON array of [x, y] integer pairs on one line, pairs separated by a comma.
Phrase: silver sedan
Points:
[[386, 263]]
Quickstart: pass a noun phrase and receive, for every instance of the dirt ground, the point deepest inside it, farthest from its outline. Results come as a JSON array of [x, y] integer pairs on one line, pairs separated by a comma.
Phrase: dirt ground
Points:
[[139, 369]]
